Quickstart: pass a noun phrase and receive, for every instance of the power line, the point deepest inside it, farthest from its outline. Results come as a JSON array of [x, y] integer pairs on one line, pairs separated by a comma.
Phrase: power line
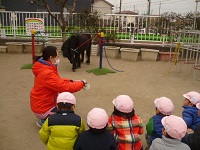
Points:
[[143, 4], [162, 1]]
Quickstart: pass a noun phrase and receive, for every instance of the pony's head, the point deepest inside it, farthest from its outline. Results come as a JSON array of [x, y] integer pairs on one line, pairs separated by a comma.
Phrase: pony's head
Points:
[[66, 50]]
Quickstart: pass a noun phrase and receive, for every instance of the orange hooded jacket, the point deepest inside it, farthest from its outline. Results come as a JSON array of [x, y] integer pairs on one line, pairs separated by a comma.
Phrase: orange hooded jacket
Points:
[[47, 85]]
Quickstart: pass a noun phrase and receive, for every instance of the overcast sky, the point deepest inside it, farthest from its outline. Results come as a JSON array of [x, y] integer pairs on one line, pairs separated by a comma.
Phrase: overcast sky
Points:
[[178, 6]]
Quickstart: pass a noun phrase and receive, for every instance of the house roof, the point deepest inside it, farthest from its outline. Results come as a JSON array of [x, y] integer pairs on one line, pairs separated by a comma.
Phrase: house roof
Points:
[[105, 2], [127, 12]]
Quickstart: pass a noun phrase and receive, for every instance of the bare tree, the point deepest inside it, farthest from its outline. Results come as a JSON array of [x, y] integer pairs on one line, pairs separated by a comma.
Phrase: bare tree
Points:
[[190, 17], [89, 21], [60, 18]]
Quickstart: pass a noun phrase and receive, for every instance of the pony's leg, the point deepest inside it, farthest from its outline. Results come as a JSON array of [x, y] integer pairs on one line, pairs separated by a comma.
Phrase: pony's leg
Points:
[[82, 56], [78, 61], [88, 53], [74, 64]]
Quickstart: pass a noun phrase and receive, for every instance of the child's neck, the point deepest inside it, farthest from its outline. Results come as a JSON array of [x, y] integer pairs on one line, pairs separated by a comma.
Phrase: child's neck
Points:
[[63, 109]]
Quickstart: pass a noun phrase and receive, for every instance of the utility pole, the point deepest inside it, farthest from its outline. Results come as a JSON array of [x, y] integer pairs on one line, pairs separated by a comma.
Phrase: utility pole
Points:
[[195, 15], [148, 19], [159, 8], [120, 10], [120, 6], [134, 8]]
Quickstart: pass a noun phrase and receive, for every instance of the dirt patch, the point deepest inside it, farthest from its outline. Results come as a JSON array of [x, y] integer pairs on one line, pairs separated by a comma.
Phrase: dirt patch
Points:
[[143, 81]]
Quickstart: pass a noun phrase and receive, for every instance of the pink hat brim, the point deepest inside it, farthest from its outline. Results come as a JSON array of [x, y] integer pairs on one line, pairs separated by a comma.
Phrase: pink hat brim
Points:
[[186, 96], [198, 105]]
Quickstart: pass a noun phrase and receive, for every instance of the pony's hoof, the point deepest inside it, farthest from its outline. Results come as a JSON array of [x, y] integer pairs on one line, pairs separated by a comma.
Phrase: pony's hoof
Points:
[[73, 70], [88, 62]]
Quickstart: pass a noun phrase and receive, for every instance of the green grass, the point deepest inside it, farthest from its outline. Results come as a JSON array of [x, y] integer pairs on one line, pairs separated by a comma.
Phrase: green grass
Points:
[[100, 71], [27, 66]]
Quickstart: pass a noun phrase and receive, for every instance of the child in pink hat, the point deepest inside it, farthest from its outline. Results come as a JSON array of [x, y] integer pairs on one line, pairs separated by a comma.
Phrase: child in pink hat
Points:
[[174, 129], [97, 137], [125, 125], [164, 107], [190, 112], [61, 129], [193, 137]]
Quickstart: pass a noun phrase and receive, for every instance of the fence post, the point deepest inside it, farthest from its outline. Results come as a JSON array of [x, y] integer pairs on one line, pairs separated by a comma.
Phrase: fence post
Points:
[[3, 33], [132, 38], [13, 18]]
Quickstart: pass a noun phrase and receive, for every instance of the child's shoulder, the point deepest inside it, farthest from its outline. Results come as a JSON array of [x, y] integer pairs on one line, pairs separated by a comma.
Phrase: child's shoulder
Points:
[[189, 109], [157, 116], [78, 116], [137, 117]]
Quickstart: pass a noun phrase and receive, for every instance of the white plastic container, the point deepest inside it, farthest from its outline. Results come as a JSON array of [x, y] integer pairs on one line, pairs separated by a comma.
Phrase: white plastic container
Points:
[[149, 54], [129, 54]]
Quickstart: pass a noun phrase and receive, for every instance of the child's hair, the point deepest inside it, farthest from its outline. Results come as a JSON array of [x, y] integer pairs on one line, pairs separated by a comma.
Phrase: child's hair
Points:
[[168, 136], [97, 131], [47, 52], [160, 114], [116, 112], [63, 105]]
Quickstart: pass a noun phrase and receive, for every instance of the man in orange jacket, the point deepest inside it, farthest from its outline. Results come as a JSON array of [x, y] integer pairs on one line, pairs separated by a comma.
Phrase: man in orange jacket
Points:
[[47, 84]]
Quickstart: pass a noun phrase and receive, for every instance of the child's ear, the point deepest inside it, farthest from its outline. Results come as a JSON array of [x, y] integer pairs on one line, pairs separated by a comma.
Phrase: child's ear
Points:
[[157, 111], [164, 131], [73, 107], [50, 58]]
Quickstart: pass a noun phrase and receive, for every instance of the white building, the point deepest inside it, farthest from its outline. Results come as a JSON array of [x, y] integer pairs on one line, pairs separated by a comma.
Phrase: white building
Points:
[[102, 6]]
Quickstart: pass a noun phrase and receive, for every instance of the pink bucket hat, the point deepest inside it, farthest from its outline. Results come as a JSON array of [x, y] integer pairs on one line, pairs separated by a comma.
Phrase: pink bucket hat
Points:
[[198, 105], [164, 105], [123, 103], [175, 126], [66, 97], [193, 97], [97, 118]]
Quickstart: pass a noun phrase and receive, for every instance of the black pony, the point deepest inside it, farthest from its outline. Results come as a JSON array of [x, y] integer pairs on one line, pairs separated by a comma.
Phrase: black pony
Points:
[[75, 46]]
